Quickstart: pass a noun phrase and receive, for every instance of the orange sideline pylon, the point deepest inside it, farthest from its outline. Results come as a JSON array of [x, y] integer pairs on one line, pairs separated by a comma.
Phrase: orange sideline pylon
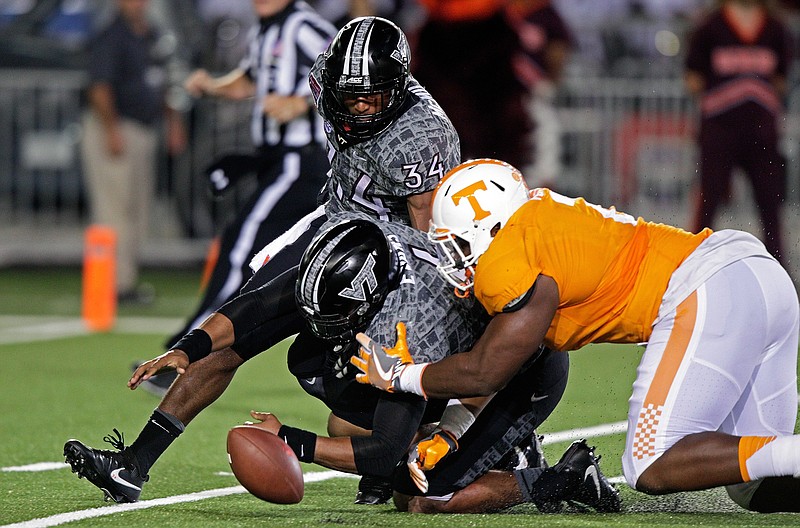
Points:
[[99, 307]]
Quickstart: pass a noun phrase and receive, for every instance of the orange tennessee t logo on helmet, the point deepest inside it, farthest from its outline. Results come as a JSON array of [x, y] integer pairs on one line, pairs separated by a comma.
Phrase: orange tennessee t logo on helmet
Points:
[[469, 193]]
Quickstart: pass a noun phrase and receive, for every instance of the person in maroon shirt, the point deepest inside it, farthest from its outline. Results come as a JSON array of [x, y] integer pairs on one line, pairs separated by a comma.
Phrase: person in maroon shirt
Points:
[[463, 56], [736, 65], [545, 43]]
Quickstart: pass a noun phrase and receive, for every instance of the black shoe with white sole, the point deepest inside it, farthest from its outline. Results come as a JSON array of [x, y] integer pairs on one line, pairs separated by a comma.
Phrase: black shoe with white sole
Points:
[[591, 488], [373, 490], [114, 472]]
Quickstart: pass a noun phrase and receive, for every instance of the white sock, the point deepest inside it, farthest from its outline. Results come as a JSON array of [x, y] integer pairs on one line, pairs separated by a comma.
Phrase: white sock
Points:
[[779, 458]]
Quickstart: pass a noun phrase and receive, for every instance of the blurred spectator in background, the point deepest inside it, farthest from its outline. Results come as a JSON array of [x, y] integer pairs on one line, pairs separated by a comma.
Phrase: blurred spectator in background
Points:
[[339, 12], [629, 37], [290, 159], [228, 23], [121, 130], [589, 21], [736, 65], [463, 57], [545, 44]]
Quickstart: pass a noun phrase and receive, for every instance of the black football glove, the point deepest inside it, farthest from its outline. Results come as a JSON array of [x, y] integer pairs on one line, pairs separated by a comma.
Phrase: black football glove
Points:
[[227, 170]]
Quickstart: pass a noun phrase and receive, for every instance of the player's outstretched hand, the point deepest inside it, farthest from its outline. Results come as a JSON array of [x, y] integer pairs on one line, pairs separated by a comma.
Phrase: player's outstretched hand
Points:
[[427, 453], [267, 421], [170, 360], [381, 367]]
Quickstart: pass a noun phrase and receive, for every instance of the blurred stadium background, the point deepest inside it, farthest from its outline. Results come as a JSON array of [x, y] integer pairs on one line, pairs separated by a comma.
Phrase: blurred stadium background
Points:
[[626, 140], [626, 121]]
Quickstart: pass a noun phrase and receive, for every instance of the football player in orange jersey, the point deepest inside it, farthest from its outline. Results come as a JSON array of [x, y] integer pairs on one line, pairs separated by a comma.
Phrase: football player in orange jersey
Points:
[[715, 398]]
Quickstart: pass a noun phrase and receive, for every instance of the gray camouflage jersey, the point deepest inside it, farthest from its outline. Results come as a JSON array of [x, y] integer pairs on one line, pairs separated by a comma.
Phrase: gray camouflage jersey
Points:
[[437, 322], [410, 157]]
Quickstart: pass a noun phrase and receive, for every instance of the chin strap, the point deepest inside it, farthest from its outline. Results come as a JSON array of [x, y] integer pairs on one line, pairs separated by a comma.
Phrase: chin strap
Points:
[[461, 294]]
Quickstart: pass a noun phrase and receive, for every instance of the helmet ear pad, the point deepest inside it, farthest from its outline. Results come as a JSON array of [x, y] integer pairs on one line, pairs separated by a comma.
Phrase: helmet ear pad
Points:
[[344, 278]]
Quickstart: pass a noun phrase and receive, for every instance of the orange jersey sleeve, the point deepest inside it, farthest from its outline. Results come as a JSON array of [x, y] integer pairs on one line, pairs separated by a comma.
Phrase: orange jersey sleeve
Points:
[[611, 269]]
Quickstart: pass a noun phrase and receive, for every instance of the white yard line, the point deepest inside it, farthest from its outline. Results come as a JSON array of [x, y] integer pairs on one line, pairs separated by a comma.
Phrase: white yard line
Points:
[[62, 518], [28, 329], [20, 330], [585, 432], [38, 466], [549, 438]]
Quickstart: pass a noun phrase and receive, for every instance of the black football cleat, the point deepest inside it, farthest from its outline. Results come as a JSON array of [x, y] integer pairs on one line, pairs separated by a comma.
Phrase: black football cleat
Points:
[[592, 489], [529, 454], [373, 490], [114, 472]]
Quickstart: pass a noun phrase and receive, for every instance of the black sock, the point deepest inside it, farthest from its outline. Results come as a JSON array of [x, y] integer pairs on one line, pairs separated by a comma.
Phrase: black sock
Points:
[[543, 485], [156, 436]]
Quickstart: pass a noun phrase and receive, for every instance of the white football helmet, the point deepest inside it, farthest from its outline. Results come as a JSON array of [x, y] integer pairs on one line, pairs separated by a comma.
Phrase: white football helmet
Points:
[[469, 202]]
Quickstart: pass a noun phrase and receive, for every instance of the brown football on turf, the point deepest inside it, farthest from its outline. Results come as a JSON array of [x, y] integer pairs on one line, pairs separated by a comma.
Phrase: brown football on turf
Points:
[[265, 465]]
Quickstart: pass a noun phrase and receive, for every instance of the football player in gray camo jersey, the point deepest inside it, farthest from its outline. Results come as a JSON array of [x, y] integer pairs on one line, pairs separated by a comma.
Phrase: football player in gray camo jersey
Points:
[[388, 176], [390, 144], [359, 273]]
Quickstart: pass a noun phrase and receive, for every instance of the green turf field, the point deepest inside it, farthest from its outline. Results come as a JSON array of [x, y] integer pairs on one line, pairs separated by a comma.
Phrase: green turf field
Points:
[[59, 382]]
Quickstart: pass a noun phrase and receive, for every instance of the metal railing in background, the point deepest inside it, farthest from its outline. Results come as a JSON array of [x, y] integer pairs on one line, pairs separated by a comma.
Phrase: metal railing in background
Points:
[[40, 177], [626, 142], [634, 140], [624, 138], [41, 183]]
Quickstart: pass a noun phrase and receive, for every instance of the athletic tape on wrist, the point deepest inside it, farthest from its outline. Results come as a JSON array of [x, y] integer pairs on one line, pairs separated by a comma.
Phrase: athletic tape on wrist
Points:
[[456, 419], [449, 438], [302, 442], [410, 380], [197, 344]]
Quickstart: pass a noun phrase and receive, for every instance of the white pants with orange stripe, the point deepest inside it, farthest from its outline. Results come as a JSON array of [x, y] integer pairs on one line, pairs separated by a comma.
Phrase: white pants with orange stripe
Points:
[[723, 359]]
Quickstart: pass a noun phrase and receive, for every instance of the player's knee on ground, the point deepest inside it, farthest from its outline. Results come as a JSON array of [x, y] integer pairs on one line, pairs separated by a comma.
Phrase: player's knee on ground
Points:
[[645, 481], [649, 482], [646, 473], [629, 470]]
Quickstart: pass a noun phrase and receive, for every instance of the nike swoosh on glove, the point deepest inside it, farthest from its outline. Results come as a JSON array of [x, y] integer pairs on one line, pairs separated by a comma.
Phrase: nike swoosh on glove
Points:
[[381, 367]]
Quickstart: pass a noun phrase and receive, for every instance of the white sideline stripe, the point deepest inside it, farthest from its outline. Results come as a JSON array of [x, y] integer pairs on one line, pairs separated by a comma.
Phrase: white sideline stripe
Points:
[[29, 331], [549, 438], [63, 518], [38, 466], [16, 329], [307, 477], [585, 432]]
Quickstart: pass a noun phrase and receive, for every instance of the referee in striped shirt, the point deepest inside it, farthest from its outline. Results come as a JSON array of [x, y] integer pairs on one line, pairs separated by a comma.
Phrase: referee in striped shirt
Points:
[[288, 136]]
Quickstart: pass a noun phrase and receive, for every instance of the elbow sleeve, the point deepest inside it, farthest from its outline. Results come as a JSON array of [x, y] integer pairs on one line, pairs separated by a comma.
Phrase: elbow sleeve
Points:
[[376, 456], [397, 418]]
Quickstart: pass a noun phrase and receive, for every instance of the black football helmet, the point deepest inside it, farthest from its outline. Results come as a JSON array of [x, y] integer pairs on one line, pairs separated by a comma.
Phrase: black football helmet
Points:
[[344, 278], [369, 56]]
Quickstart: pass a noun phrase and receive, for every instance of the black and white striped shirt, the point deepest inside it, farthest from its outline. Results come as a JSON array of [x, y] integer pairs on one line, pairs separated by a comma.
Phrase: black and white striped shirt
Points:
[[281, 52]]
